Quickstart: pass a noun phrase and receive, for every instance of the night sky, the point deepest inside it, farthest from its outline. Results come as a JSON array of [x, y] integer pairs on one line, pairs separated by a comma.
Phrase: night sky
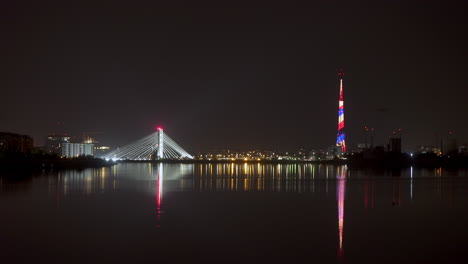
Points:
[[233, 74]]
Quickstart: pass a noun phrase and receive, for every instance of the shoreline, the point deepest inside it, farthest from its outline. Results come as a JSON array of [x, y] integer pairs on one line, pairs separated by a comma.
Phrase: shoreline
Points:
[[41, 164], [358, 164], [80, 164]]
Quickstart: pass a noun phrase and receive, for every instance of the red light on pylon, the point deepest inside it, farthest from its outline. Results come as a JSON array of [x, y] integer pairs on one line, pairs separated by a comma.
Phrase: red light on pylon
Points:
[[159, 128]]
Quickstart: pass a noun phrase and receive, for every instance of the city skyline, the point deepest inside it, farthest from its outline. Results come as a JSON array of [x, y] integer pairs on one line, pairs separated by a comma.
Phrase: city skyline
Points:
[[261, 77]]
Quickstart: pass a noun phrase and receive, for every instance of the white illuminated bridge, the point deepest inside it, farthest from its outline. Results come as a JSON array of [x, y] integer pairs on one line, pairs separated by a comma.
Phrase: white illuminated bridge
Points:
[[157, 145]]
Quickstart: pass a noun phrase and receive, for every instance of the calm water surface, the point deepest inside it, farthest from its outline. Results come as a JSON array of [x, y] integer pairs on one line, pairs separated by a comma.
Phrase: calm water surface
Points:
[[249, 213]]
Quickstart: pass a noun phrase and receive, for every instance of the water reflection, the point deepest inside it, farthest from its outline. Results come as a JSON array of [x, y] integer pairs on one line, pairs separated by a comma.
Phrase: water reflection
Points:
[[86, 181], [392, 193], [303, 178], [205, 178], [411, 183], [159, 190], [340, 190], [261, 177], [122, 176]]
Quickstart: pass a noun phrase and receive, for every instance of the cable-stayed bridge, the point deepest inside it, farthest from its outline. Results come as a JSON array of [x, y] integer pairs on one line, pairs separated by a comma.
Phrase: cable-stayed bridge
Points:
[[156, 146]]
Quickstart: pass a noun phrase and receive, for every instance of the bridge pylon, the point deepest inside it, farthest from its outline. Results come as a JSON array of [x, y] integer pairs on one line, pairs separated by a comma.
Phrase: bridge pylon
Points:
[[160, 143]]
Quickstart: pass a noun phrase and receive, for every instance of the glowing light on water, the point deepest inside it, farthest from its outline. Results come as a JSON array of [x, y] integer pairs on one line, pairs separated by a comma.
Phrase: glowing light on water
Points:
[[340, 190]]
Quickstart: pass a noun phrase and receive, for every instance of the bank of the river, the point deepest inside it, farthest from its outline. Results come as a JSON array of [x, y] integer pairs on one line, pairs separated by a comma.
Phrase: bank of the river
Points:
[[35, 164], [237, 161], [400, 162]]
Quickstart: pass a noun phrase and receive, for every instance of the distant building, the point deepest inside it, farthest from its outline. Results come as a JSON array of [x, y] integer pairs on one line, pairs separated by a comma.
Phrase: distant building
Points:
[[334, 152], [463, 149], [302, 153], [72, 150], [394, 145], [15, 143], [363, 146], [450, 144], [378, 152], [422, 149], [54, 143], [88, 139], [100, 150], [316, 155]]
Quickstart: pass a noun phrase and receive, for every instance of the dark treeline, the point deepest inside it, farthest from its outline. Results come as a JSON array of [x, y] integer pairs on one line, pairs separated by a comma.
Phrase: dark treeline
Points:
[[38, 159], [395, 160]]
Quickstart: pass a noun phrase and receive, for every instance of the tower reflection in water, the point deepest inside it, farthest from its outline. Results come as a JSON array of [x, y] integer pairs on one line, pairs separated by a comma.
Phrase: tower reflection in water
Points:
[[340, 193]]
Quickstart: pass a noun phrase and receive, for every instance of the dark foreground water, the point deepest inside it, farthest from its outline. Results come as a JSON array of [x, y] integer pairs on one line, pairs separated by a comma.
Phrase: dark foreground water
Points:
[[133, 213]]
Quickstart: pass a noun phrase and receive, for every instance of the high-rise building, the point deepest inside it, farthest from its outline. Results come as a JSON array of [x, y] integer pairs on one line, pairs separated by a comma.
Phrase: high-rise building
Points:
[[463, 149], [72, 150], [55, 141], [394, 144], [340, 138], [450, 144], [15, 143]]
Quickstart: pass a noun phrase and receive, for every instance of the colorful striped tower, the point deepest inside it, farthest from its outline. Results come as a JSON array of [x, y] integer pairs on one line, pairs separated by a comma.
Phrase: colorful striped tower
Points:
[[340, 138]]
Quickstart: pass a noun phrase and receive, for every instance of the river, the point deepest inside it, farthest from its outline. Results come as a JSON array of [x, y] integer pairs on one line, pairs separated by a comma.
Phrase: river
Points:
[[249, 213]]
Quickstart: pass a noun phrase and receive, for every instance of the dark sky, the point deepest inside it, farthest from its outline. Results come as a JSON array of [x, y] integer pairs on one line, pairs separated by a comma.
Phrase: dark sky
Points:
[[234, 74]]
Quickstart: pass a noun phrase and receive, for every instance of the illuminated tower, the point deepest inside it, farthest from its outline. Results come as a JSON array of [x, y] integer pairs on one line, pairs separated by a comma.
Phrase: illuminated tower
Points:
[[160, 154], [340, 138]]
